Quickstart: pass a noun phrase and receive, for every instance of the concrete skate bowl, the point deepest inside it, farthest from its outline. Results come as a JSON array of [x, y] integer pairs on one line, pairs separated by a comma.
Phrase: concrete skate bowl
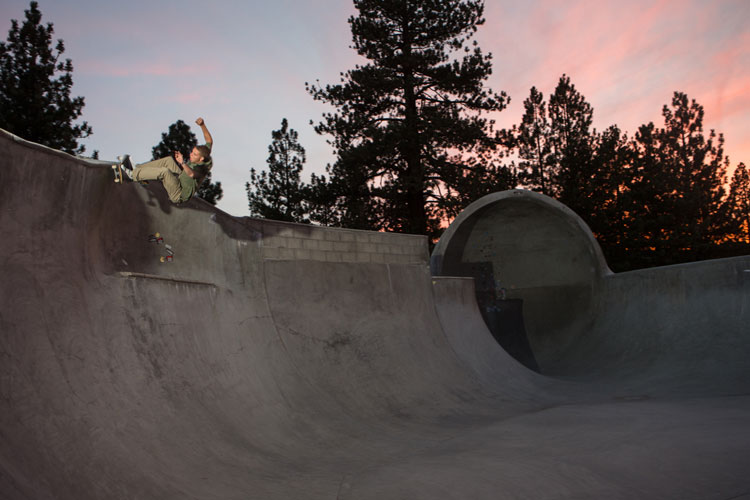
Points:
[[547, 294], [276, 361]]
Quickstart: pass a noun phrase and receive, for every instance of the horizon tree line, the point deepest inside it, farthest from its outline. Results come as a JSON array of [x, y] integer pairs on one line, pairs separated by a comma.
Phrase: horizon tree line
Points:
[[413, 147]]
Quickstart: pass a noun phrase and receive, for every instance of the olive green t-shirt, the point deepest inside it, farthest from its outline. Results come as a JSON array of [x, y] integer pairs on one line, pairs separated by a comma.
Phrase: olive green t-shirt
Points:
[[191, 184]]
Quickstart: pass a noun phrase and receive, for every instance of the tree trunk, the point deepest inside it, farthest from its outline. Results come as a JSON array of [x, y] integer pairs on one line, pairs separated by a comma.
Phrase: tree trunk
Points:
[[416, 215]]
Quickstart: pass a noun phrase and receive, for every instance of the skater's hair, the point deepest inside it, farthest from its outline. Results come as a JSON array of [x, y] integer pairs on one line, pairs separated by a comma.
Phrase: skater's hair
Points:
[[204, 152]]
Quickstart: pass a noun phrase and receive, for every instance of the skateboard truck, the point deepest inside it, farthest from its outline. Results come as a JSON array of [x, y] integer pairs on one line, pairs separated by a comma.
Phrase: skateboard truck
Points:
[[157, 238]]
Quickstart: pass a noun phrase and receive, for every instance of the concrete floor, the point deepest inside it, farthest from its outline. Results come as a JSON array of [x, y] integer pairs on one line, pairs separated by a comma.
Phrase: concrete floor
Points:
[[278, 361]]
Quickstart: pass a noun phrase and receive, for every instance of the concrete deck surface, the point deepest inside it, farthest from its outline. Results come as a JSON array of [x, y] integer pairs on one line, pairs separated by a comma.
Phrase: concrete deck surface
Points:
[[278, 361]]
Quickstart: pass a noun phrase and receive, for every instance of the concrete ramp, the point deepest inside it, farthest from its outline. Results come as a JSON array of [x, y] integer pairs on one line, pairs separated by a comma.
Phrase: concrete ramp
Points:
[[276, 361]]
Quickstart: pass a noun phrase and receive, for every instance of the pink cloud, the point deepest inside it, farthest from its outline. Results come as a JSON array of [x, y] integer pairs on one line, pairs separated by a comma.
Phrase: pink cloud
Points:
[[728, 79], [599, 45], [157, 69], [627, 59], [188, 98]]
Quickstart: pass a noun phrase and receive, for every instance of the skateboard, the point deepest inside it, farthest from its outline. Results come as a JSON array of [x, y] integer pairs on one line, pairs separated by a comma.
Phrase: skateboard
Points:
[[123, 169], [159, 240]]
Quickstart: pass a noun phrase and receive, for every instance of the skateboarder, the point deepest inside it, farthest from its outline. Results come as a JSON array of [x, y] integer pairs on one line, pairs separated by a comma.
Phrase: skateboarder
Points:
[[180, 178]]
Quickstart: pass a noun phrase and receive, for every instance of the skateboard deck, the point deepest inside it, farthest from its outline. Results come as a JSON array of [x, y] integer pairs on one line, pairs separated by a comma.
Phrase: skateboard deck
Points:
[[123, 169]]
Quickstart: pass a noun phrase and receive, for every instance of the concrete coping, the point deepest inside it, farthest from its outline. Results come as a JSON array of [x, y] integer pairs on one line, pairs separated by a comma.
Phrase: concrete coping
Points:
[[85, 161]]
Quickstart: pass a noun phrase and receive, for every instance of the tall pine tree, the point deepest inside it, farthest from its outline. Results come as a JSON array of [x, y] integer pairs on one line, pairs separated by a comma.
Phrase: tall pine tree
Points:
[[406, 122], [698, 165], [572, 147], [738, 206], [35, 85], [533, 137], [605, 191], [676, 207], [279, 194]]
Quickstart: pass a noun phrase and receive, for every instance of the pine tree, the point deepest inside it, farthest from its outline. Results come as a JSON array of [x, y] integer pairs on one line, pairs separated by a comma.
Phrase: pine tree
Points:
[[325, 207], [533, 138], [279, 194], [607, 197], [675, 206], [179, 137], [408, 119], [471, 177], [646, 202], [698, 167], [738, 206], [35, 87], [572, 147]]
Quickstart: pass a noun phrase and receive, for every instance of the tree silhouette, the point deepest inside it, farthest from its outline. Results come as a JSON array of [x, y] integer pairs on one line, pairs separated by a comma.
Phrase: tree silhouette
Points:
[[738, 206], [698, 168], [572, 147], [35, 87], [675, 200], [656, 199], [408, 119], [279, 194], [534, 145], [606, 193]]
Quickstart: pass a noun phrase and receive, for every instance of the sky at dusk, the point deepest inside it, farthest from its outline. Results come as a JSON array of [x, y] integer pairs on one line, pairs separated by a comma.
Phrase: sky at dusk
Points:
[[142, 65]]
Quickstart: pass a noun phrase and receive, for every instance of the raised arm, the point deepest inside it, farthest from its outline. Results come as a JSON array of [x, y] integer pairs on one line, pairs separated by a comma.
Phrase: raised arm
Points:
[[206, 133]]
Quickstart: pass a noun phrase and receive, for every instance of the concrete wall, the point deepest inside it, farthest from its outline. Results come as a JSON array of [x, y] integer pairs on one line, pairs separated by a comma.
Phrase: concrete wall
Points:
[[267, 360], [687, 325], [287, 241]]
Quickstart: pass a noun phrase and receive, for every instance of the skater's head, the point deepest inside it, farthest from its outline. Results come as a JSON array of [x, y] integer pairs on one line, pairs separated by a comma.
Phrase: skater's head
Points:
[[200, 154]]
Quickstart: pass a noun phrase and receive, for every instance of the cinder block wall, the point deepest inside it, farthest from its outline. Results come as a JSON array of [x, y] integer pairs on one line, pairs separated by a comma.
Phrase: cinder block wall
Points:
[[289, 241]]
